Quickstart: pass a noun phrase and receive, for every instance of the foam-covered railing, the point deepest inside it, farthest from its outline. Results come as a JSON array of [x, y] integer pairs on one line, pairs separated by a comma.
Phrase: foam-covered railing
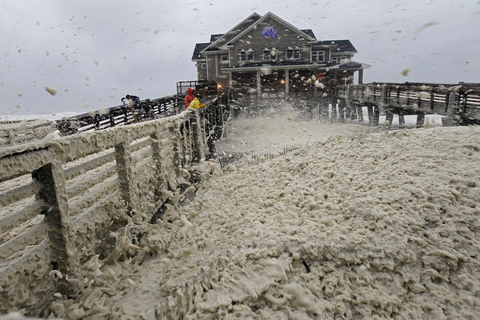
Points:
[[17, 132], [60, 199]]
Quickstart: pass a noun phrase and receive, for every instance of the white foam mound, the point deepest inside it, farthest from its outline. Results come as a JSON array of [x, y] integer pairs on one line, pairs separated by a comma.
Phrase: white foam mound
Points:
[[360, 226]]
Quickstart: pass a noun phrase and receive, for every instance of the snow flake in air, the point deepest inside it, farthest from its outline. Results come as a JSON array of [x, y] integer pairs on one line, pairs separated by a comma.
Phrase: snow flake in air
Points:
[[425, 26], [51, 90], [405, 72]]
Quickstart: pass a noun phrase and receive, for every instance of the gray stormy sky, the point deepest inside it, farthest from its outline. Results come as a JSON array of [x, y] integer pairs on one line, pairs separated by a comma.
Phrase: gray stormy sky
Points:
[[93, 52]]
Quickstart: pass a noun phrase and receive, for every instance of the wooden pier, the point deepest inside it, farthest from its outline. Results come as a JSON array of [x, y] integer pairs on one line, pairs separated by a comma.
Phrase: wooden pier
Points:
[[460, 104]]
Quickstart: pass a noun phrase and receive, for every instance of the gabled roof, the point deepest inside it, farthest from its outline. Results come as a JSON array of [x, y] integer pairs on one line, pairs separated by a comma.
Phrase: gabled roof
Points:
[[215, 37], [234, 31], [280, 20], [199, 47], [217, 41], [353, 65], [337, 46], [309, 32]]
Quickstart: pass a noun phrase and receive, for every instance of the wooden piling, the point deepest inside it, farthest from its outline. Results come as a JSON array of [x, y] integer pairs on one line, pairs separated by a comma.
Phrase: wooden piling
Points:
[[54, 193], [124, 170]]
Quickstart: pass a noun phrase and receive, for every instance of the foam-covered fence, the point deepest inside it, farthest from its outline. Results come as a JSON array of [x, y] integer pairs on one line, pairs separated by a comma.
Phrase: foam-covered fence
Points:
[[18, 132], [60, 200]]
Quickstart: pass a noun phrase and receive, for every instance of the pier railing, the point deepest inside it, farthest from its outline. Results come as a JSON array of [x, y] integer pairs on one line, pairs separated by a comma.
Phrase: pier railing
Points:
[[60, 200], [458, 103], [121, 115], [18, 132]]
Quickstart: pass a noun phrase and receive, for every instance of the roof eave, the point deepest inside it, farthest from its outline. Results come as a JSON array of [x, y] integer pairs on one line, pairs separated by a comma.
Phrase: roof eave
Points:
[[344, 52], [213, 51], [231, 30], [303, 66]]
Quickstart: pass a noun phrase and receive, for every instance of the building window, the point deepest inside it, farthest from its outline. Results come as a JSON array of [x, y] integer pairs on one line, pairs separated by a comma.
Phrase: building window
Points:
[[318, 56], [203, 65], [224, 57], [269, 54], [246, 55], [293, 54], [334, 60]]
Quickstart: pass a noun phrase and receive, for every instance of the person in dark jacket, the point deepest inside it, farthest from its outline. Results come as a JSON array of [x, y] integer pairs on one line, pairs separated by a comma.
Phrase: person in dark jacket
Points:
[[134, 100], [134, 103]]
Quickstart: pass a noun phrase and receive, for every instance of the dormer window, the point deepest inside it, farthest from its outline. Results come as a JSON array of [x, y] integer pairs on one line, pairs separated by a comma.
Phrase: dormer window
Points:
[[318, 56], [246, 55], [269, 54], [293, 53]]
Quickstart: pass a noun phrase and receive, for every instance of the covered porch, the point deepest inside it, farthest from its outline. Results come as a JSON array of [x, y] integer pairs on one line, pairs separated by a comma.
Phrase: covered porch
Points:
[[282, 81]]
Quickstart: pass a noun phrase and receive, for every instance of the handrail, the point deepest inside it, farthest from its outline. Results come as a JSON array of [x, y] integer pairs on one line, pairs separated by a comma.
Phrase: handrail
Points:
[[120, 115], [16, 132], [83, 182], [460, 103], [71, 175]]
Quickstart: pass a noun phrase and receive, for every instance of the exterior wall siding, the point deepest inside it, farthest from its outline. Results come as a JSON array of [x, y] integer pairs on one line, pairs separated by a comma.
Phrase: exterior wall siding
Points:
[[201, 72], [218, 64], [211, 67]]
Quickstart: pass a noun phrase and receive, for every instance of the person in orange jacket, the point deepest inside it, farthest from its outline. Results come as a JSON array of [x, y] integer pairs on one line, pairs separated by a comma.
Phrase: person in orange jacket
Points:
[[189, 98]]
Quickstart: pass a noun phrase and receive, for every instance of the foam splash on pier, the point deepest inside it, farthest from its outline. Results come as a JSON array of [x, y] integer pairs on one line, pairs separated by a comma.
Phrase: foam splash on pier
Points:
[[352, 224]]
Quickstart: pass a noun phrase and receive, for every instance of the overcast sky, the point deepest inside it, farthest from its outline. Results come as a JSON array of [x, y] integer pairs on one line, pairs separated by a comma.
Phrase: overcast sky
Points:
[[94, 52]]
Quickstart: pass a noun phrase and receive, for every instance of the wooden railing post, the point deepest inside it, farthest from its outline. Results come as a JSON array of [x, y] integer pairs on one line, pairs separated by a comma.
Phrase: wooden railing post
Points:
[[159, 169], [388, 118], [124, 169], [452, 108], [53, 192], [359, 108], [383, 95], [373, 114], [186, 143], [384, 106], [349, 102], [112, 121], [97, 121], [174, 134], [198, 149], [11, 137], [125, 116], [341, 110], [420, 119]]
